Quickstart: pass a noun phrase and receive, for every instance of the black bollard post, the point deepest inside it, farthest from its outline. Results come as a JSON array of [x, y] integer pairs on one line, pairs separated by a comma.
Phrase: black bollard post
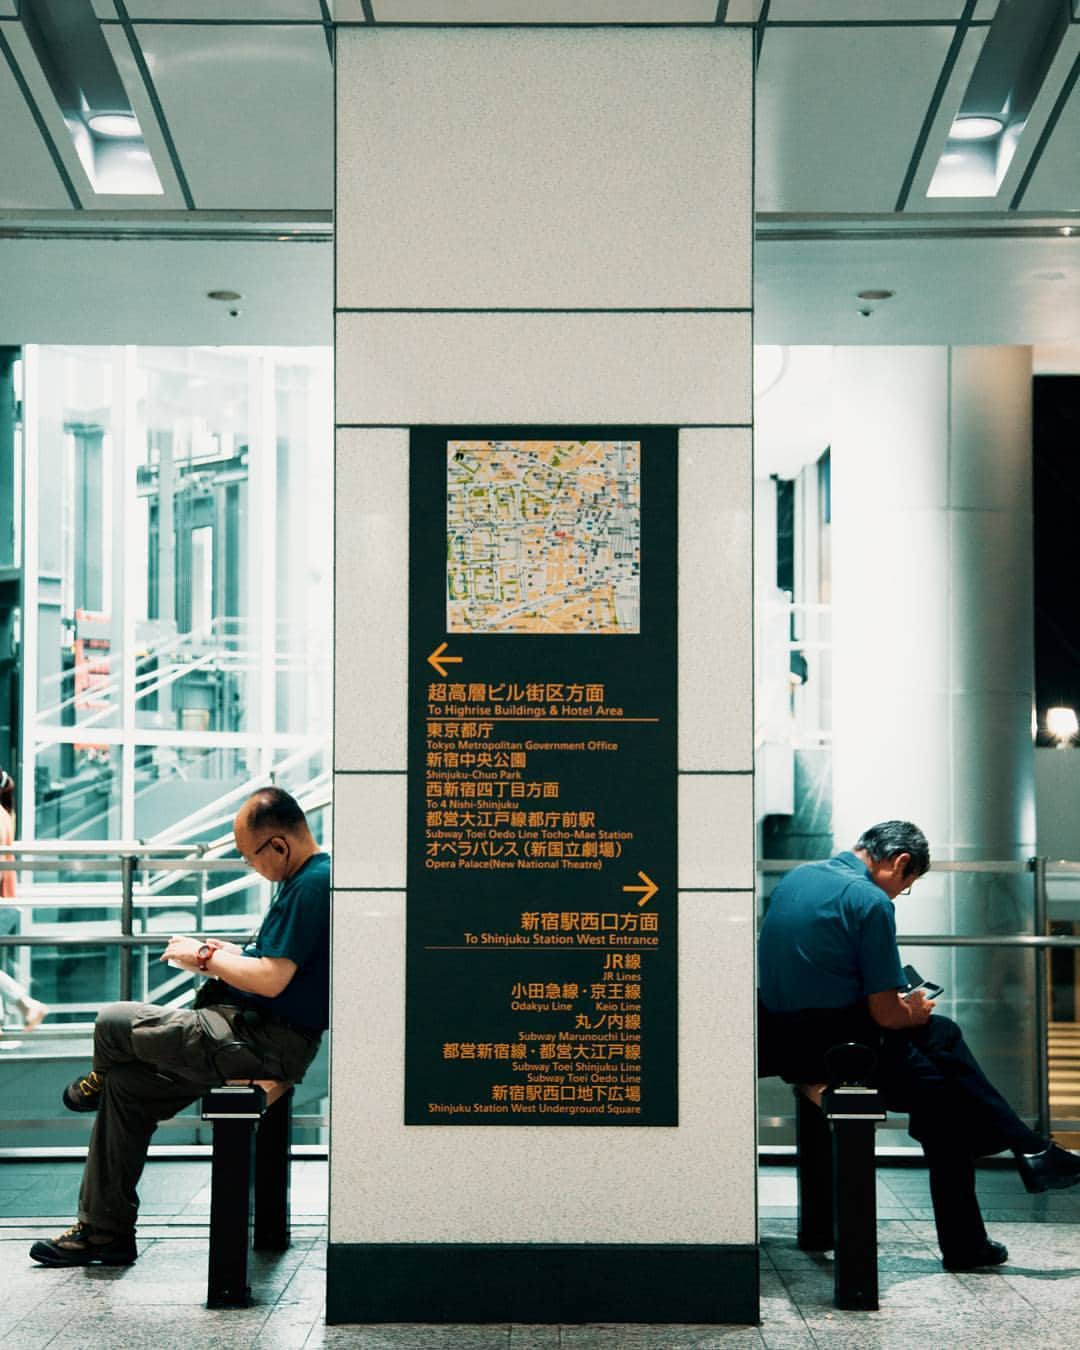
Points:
[[814, 1159]]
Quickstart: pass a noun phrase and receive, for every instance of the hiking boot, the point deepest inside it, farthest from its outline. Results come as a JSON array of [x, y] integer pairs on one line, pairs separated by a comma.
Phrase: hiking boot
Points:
[[85, 1093], [82, 1245]]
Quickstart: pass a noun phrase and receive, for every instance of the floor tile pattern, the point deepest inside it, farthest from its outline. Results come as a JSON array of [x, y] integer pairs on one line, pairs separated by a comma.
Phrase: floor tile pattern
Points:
[[157, 1303]]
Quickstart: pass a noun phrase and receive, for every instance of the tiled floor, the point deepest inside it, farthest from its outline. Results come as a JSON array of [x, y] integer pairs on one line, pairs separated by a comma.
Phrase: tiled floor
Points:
[[1033, 1301]]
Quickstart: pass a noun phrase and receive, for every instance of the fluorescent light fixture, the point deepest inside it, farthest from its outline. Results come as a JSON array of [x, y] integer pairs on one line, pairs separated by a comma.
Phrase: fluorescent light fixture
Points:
[[976, 128], [1062, 724], [75, 58], [116, 126], [1021, 45]]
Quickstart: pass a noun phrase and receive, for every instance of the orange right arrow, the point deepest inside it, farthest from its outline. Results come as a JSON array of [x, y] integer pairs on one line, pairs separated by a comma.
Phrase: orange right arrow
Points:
[[650, 888]]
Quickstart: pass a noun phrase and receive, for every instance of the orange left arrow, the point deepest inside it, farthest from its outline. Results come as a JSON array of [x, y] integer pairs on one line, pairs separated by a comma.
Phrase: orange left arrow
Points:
[[650, 888], [440, 660]]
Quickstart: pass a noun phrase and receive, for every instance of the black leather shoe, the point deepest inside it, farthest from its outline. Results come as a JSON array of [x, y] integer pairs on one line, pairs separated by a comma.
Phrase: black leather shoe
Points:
[[991, 1253], [1051, 1170], [82, 1245]]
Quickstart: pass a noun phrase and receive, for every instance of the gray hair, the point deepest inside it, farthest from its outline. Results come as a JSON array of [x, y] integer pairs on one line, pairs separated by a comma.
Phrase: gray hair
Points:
[[890, 837]]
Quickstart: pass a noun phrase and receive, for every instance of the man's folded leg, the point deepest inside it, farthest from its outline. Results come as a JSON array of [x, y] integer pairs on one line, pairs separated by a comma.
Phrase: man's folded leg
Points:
[[133, 1098]]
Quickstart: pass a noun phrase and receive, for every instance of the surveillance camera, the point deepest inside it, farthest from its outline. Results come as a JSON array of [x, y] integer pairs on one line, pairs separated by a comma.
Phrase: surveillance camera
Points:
[[235, 313], [866, 311]]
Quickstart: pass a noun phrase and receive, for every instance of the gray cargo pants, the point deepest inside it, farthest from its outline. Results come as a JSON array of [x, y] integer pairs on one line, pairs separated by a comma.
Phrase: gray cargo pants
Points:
[[156, 1061]]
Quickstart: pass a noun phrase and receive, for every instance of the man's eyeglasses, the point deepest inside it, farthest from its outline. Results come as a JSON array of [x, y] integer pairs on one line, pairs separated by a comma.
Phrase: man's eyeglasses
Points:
[[250, 861]]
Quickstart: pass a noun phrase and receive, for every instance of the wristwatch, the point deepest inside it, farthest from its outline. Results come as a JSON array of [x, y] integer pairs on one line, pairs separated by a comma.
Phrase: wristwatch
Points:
[[203, 956]]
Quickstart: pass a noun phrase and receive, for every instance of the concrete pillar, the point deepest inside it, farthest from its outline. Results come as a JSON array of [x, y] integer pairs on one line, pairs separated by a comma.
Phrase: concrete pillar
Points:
[[543, 226], [933, 649]]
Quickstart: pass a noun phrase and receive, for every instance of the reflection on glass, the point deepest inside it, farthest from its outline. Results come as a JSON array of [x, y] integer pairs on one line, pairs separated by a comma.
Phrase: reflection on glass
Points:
[[78, 792]]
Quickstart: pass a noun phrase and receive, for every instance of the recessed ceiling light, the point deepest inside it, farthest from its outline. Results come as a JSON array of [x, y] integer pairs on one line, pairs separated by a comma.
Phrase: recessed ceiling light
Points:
[[223, 295], [115, 126], [876, 295], [975, 128]]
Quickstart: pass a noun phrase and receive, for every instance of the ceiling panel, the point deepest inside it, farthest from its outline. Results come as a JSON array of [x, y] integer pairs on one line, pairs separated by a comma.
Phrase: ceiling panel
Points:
[[248, 10], [839, 112], [7, 8], [28, 176], [873, 11], [743, 11], [1055, 184], [973, 291], [536, 11], [154, 292], [274, 149], [882, 11]]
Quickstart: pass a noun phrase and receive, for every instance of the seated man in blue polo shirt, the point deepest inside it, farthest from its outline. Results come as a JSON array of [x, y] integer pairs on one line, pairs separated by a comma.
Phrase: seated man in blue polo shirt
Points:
[[261, 1016], [830, 972]]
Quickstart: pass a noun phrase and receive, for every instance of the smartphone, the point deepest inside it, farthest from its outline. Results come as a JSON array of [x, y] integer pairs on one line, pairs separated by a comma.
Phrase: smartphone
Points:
[[928, 987], [916, 981]]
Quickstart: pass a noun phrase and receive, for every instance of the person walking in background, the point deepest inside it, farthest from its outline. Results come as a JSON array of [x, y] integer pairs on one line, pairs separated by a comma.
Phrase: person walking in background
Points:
[[11, 992]]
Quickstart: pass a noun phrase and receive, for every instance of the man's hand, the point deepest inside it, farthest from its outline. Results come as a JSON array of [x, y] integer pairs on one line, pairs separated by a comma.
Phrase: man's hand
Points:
[[894, 1013], [921, 1007], [266, 976], [183, 951]]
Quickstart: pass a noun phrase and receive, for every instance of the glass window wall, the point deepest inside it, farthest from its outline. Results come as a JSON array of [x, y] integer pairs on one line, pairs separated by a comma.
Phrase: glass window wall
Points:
[[170, 631]]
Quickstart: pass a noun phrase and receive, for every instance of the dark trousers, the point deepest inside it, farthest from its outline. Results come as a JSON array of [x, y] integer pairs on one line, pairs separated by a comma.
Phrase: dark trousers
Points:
[[956, 1113], [155, 1061]]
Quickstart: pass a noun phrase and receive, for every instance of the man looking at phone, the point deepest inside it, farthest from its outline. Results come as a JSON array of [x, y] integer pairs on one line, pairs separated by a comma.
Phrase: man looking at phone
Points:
[[260, 1016], [830, 973]]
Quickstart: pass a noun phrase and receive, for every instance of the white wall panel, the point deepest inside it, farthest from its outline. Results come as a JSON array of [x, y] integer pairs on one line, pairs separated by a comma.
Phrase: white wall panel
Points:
[[275, 85], [369, 830], [997, 637], [616, 169], [715, 600], [690, 1184], [557, 368], [716, 831], [371, 628], [985, 472]]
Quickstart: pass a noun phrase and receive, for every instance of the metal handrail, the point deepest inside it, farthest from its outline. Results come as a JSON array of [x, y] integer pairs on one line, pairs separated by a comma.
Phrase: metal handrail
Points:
[[1008, 866], [123, 940], [128, 859], [106, 848]]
